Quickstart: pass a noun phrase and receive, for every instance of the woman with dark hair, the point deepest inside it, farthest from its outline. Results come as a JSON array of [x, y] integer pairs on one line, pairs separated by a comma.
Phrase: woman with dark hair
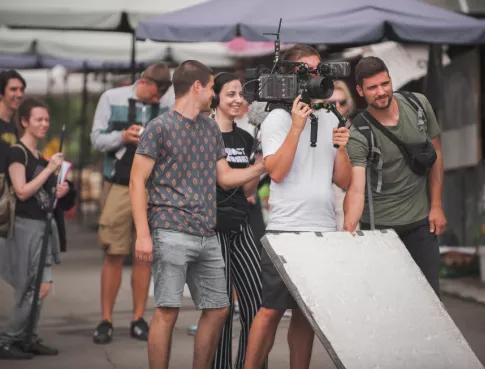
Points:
[[241, 254], [32, 179], [239, 249]]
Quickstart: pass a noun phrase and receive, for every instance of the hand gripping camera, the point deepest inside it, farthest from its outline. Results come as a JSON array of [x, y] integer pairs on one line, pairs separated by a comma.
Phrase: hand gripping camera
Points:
[[280, 86]]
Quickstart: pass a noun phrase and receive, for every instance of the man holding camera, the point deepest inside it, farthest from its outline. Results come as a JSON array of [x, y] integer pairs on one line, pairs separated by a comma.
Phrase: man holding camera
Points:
[[403, 125], [120, 117], [301, 200]]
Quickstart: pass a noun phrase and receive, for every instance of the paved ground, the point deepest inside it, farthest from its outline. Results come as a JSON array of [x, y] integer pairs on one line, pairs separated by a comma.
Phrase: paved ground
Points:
[[72, 312]]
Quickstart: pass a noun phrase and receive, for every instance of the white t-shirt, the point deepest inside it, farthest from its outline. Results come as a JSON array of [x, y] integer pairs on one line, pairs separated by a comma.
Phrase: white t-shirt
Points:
[[304, 200]]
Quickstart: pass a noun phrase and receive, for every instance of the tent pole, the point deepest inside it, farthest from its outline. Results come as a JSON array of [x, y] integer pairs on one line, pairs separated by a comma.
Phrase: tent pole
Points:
[[433, 84], [82, 143], [133, 56]]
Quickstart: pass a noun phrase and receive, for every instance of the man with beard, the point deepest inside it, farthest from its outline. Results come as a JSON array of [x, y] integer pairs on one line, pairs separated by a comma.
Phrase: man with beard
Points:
[[403, 199], [12, 89], [179, 158]]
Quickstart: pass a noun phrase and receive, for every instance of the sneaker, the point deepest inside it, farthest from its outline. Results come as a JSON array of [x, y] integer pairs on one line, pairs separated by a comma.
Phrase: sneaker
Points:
[[10, 352], [38, 349], [139, 329], [192, 330], [103, 333]]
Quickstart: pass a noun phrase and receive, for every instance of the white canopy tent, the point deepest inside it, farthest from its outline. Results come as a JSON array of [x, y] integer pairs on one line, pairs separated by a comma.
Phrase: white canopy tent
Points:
[[81, 37], [87, 14], [58, 82], [115, 47], [109, 47]]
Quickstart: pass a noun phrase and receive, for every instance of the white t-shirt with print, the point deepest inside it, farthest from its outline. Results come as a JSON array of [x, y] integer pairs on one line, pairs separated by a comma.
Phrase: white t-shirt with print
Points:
[[304, 200]]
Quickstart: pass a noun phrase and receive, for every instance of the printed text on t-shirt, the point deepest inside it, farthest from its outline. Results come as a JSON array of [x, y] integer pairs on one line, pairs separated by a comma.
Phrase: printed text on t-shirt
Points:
[[236, 155]]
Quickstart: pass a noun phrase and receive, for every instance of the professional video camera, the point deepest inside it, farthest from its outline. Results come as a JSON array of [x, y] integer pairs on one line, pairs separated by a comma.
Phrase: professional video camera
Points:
[[280, 86], [285, 87]]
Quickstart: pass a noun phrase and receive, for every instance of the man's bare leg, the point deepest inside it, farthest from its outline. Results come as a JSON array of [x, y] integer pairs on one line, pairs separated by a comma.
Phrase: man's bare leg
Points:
[[160, 337], [140, 284], [208, 336], [110, 284], [262, 336], [300, 340]]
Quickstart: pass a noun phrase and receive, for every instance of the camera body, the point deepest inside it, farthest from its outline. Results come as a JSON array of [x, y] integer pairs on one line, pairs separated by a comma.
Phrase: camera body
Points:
[[283, 87], [286, 80]]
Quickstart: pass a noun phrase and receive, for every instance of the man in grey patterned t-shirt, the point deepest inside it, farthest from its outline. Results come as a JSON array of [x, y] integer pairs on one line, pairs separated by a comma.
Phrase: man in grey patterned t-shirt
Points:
[[180, 157], [181, 188]]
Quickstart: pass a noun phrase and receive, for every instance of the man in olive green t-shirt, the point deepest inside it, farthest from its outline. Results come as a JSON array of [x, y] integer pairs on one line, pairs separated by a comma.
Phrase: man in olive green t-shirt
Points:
[[403, 201]]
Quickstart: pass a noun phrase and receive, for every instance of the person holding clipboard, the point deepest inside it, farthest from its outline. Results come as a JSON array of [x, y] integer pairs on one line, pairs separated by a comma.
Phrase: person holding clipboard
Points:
[[33, 180]]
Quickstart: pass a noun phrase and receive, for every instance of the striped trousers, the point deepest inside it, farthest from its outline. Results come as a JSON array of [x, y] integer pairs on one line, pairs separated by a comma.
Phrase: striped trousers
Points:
[[243, 271]]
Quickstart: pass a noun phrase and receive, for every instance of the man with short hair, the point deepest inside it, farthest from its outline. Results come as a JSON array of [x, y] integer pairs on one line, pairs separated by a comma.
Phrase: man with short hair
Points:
[[400, 194], [301, 200], [121, 115], [179, 158], [12, 90]]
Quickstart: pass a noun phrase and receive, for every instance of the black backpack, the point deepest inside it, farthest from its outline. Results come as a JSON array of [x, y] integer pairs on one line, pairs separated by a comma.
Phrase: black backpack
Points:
[[7, 207]]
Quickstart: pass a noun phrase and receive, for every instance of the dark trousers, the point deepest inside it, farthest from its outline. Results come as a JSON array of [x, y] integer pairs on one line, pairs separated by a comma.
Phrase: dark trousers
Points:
[[423, 247]]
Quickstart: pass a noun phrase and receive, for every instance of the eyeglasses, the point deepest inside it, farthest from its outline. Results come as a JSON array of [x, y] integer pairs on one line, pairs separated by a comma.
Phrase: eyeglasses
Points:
[[338, 102]]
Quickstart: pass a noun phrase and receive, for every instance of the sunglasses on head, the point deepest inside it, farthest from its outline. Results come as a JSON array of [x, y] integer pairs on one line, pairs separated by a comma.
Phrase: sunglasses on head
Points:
[[162, 86], [339, 102]]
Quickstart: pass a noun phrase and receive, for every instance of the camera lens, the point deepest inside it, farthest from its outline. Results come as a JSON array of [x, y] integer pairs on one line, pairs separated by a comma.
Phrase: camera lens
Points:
[[320, 88]]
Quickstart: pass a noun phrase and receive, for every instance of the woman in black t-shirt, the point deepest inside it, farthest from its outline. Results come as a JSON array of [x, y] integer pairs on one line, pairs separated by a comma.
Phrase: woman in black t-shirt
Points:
[[32, 179], [241, 255]]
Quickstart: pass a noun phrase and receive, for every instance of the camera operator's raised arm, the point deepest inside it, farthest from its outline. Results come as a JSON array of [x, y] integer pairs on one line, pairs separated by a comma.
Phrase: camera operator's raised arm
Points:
[[279, 164], [342, 171], [354, 199]]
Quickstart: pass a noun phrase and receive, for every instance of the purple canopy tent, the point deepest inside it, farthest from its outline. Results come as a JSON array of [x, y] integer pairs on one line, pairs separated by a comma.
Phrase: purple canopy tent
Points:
[[314, 22]]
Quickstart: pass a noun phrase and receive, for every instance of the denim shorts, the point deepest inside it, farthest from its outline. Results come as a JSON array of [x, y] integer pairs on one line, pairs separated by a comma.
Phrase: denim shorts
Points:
[[180, 258]]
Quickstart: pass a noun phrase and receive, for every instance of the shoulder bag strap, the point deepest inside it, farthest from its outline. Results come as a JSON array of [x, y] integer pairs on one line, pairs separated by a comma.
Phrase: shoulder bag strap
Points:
[[25, 153]]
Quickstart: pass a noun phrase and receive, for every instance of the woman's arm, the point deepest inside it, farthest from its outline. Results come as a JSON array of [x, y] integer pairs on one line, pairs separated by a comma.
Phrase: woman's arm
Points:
[[250, 187], [25, 190]]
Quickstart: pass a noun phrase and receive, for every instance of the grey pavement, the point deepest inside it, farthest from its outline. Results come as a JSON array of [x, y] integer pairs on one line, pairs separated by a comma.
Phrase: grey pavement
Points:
[[71, 313]]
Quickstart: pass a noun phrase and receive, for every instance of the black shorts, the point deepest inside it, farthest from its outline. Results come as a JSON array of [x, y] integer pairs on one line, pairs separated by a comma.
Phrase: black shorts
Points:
[[275, 293]]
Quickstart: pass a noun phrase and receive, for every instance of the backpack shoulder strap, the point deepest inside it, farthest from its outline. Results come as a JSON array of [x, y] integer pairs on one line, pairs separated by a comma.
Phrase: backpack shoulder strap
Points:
[[413, 100], [364, 128], [131, 111], [376, 124], [374, 155], [154, 110], [25, 152]]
